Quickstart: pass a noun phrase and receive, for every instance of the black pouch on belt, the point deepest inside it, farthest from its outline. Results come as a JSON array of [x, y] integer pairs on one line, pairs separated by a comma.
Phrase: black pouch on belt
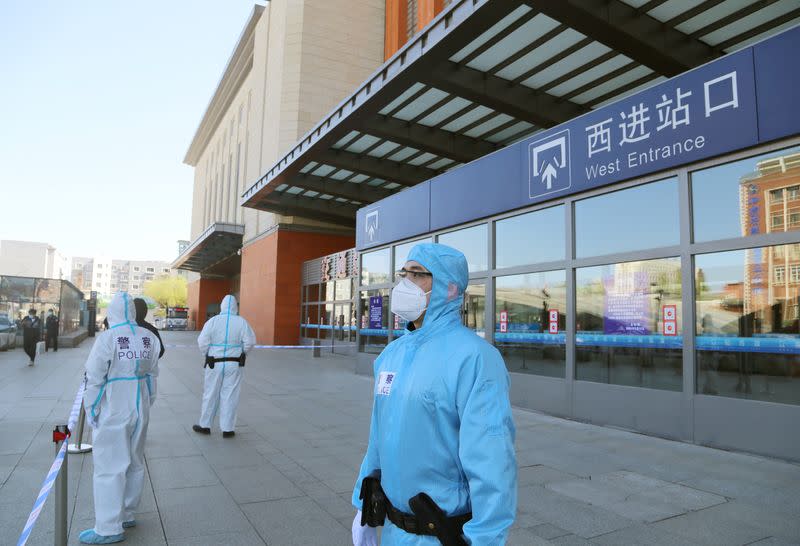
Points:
[[433, 518], [209, 362], [242, 358], [373, 500]]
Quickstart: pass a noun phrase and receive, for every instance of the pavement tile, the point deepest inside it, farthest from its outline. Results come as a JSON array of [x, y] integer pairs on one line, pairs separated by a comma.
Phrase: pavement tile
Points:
[[178, 472], [574, 516], [257, 483], [199, 511], [296, 522]]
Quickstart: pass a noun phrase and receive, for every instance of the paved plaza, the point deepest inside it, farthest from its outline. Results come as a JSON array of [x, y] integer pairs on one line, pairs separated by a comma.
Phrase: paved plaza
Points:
[[286, 478]]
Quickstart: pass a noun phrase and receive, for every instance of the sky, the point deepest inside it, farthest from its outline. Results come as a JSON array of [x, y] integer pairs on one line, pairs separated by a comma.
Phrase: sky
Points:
[[99, 101]]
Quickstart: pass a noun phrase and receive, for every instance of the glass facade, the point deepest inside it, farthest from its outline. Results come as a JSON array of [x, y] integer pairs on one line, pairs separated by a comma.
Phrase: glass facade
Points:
[[472, 241], [748, 197], [622, 334], [748, 325], [328, 310], [19, 294], [530, 322], [546, 243], [607, 302], [633, 219]]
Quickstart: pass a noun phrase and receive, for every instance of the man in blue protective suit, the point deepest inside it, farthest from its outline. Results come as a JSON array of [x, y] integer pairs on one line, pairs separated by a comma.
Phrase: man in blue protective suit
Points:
[[225, 340], [441, 443], [121, 374]]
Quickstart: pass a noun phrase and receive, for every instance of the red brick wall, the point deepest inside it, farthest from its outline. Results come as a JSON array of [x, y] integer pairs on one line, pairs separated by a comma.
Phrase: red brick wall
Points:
[[271, 279], [201, 293]]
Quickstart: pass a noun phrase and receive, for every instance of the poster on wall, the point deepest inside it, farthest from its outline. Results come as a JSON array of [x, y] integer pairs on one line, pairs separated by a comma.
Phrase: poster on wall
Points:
[[375, 312], [627, 303]]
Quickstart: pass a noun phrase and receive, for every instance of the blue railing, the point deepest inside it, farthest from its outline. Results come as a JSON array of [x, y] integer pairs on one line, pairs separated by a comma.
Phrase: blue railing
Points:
[[762, 343]]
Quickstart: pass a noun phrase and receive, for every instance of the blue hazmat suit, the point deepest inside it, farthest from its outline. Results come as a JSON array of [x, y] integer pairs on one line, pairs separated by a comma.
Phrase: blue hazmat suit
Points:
[[441, 417], [121, 374], [224, 335]]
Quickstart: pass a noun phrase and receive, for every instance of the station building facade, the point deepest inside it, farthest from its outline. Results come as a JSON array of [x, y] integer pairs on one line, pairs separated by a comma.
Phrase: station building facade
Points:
[[622, 179], [293, 62]]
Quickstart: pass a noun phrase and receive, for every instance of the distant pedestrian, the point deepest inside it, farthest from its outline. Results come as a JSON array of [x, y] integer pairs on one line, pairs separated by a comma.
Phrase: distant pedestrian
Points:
[[51, 325], [224, 341], [141, 314], [31, 334]]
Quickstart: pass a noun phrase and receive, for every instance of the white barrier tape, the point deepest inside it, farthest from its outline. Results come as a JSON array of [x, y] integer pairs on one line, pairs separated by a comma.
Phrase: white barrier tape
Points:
[[55, 468]]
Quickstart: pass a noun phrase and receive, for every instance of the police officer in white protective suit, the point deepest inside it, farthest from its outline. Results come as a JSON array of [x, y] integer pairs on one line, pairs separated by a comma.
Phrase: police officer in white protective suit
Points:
[[121, 376], [225, 340]]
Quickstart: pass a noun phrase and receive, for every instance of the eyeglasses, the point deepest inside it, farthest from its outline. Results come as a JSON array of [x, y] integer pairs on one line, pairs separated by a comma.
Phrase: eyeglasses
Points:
[[413, 275]]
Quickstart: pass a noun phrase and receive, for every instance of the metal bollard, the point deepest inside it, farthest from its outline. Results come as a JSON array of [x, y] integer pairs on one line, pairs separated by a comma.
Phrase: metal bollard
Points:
[[315, 352], [61, 434], [79, 446]]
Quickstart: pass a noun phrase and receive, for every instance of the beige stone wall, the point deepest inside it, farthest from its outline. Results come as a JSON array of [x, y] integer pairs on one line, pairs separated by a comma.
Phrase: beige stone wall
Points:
[[308, 56]]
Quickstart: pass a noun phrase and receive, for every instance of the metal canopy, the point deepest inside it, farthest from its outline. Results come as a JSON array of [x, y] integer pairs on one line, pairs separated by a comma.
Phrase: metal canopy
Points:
[[214, 252], [485, 74]]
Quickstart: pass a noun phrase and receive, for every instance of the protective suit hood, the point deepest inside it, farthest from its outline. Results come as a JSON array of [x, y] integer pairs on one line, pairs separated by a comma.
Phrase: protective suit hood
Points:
[[141, 309], [450, 277], [121, 309], [228, 302]]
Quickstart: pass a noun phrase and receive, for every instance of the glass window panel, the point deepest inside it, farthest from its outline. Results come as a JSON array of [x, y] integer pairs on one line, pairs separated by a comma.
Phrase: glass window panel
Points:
[[70, 309], [311, 320], [48, 291], [328, 292], [473, 243], [373, 340], [312, 292], [629, 324], [747, 197], [401, 252], [633, 219], [325, 320], [474, 311], [530, 238], [17, 289], [524, 333], [344, 289], [748, 324], [375, 267]]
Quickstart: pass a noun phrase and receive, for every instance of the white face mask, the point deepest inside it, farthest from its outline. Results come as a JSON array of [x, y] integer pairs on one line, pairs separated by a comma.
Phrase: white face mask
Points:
[[408, 300]]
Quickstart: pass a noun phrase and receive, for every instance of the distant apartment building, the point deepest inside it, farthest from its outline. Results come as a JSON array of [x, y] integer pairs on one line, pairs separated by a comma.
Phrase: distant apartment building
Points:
[[107, 276], [31, 259]]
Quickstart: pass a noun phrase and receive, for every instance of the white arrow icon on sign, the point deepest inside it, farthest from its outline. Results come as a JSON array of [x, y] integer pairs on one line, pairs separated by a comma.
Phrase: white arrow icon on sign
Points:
[[549, 172], [548, 165]]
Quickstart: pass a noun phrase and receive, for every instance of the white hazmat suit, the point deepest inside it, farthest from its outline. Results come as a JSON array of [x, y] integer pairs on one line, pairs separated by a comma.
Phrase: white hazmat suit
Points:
[[121, 376], [226, 335]]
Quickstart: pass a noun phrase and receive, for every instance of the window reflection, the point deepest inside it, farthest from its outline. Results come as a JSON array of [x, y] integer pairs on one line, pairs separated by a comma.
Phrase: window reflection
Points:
[[525, 335], [748, 324], [629, 324], [535, 237], [473, 243], [748, 197], [634, 219], [375, 267], [474, 310]]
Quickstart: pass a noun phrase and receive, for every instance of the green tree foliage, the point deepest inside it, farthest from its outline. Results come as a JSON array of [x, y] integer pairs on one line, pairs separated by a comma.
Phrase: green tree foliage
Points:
[[167, 291]]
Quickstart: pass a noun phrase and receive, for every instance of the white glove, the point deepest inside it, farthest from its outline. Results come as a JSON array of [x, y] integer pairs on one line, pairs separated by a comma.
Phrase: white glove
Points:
[[363, 535]]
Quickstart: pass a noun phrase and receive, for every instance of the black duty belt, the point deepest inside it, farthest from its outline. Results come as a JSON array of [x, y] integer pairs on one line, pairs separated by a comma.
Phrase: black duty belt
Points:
[[210, 360], [411, 524]]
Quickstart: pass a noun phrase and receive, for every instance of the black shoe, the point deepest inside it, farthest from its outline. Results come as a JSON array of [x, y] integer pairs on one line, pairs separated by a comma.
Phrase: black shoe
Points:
[[228, 434], [201, 430]]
